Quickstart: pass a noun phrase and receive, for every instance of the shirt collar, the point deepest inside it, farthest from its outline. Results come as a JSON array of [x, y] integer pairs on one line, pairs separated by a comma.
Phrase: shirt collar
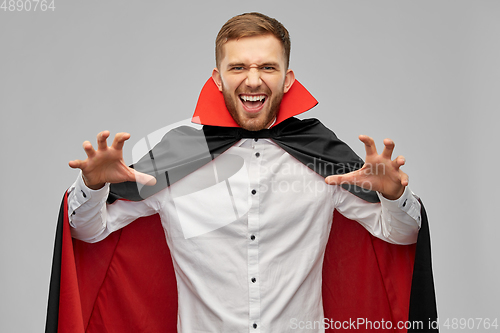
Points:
[[242, 141], [211, 109]]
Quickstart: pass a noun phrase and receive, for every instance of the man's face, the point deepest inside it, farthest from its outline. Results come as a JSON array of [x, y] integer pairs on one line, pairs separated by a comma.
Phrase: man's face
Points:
[[253, 78]]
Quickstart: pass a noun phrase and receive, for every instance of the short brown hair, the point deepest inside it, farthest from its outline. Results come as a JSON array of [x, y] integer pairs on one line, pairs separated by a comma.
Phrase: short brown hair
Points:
[[252, 24]]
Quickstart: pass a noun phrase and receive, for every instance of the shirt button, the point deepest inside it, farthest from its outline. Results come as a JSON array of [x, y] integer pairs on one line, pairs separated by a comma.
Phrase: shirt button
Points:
[[257, 154], [256, 139], [254, 191], [254, 325], [254, 280], [84, 195], [252, 237]]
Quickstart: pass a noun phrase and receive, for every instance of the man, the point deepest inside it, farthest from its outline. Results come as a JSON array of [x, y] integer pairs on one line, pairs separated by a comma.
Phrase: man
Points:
[[260, 271]]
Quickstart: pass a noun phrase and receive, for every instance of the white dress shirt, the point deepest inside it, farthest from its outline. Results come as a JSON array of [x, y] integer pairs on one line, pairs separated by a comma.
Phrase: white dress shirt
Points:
[[247, 249]]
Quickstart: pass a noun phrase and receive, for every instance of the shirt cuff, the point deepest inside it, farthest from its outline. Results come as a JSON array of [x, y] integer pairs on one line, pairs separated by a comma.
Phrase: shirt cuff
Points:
[[407, 203], [81, 194]]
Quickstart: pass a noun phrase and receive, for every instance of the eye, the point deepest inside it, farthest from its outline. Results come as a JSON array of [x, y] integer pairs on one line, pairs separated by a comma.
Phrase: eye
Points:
[[237, 68], [268, 68]]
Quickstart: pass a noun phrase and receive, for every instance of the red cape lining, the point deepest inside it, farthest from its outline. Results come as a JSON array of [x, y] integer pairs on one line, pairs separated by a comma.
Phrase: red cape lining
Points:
[[126, 283], [211, 108]]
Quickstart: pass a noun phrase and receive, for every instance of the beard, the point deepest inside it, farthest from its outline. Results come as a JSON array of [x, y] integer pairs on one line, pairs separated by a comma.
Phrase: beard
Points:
[[252, 123]]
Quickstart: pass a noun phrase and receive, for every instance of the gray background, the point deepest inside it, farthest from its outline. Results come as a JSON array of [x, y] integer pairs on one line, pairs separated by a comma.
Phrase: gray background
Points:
[[424, 73]]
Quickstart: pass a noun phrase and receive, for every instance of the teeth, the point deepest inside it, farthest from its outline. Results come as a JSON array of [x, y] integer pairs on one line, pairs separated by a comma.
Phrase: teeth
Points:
[[253, 98]]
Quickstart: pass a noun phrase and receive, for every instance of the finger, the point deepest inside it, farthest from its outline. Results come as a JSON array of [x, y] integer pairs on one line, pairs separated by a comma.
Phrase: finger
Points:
[[405, 179], [388, 148], [398, 162], [101, 140], [334, 180], [89, 150], [348, 178], [76, 164], [369, 144], [119, 140], [144, 179]]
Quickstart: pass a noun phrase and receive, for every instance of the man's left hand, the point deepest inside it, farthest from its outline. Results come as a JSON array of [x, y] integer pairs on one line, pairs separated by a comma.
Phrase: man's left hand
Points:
[[379, 173]]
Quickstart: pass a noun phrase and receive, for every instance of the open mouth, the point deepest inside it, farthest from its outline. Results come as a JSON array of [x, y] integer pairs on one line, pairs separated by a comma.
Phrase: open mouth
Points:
[[253, 103]]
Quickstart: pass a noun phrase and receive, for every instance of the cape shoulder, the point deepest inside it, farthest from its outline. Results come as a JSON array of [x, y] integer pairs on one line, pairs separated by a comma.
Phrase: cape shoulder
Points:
[[186, 149]]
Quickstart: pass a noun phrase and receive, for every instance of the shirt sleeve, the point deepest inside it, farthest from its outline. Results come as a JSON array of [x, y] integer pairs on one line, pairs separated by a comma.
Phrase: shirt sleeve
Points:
[[92, 219], [394, 221]]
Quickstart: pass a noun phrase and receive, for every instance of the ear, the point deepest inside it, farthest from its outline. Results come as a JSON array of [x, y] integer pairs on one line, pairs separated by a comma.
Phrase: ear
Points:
[[217, 78], [289, 80]]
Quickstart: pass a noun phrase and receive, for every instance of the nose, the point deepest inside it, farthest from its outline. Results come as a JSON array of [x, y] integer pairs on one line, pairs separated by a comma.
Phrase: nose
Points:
[[253, 78]]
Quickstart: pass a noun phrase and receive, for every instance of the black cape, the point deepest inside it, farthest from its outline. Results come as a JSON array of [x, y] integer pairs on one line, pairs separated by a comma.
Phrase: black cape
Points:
[[402, 274]]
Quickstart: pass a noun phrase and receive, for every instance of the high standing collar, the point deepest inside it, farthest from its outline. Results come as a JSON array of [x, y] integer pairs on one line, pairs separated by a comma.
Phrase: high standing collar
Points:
[[211, 109]]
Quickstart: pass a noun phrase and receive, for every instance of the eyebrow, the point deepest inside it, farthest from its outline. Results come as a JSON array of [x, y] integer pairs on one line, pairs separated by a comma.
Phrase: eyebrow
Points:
[[240, 64], [273, 64]]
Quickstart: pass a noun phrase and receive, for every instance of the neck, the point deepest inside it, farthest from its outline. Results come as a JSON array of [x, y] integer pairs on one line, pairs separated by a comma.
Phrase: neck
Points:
[[271, 123]]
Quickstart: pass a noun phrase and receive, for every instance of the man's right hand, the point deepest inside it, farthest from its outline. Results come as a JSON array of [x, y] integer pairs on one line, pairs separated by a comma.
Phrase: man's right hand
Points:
[[106, 165]]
